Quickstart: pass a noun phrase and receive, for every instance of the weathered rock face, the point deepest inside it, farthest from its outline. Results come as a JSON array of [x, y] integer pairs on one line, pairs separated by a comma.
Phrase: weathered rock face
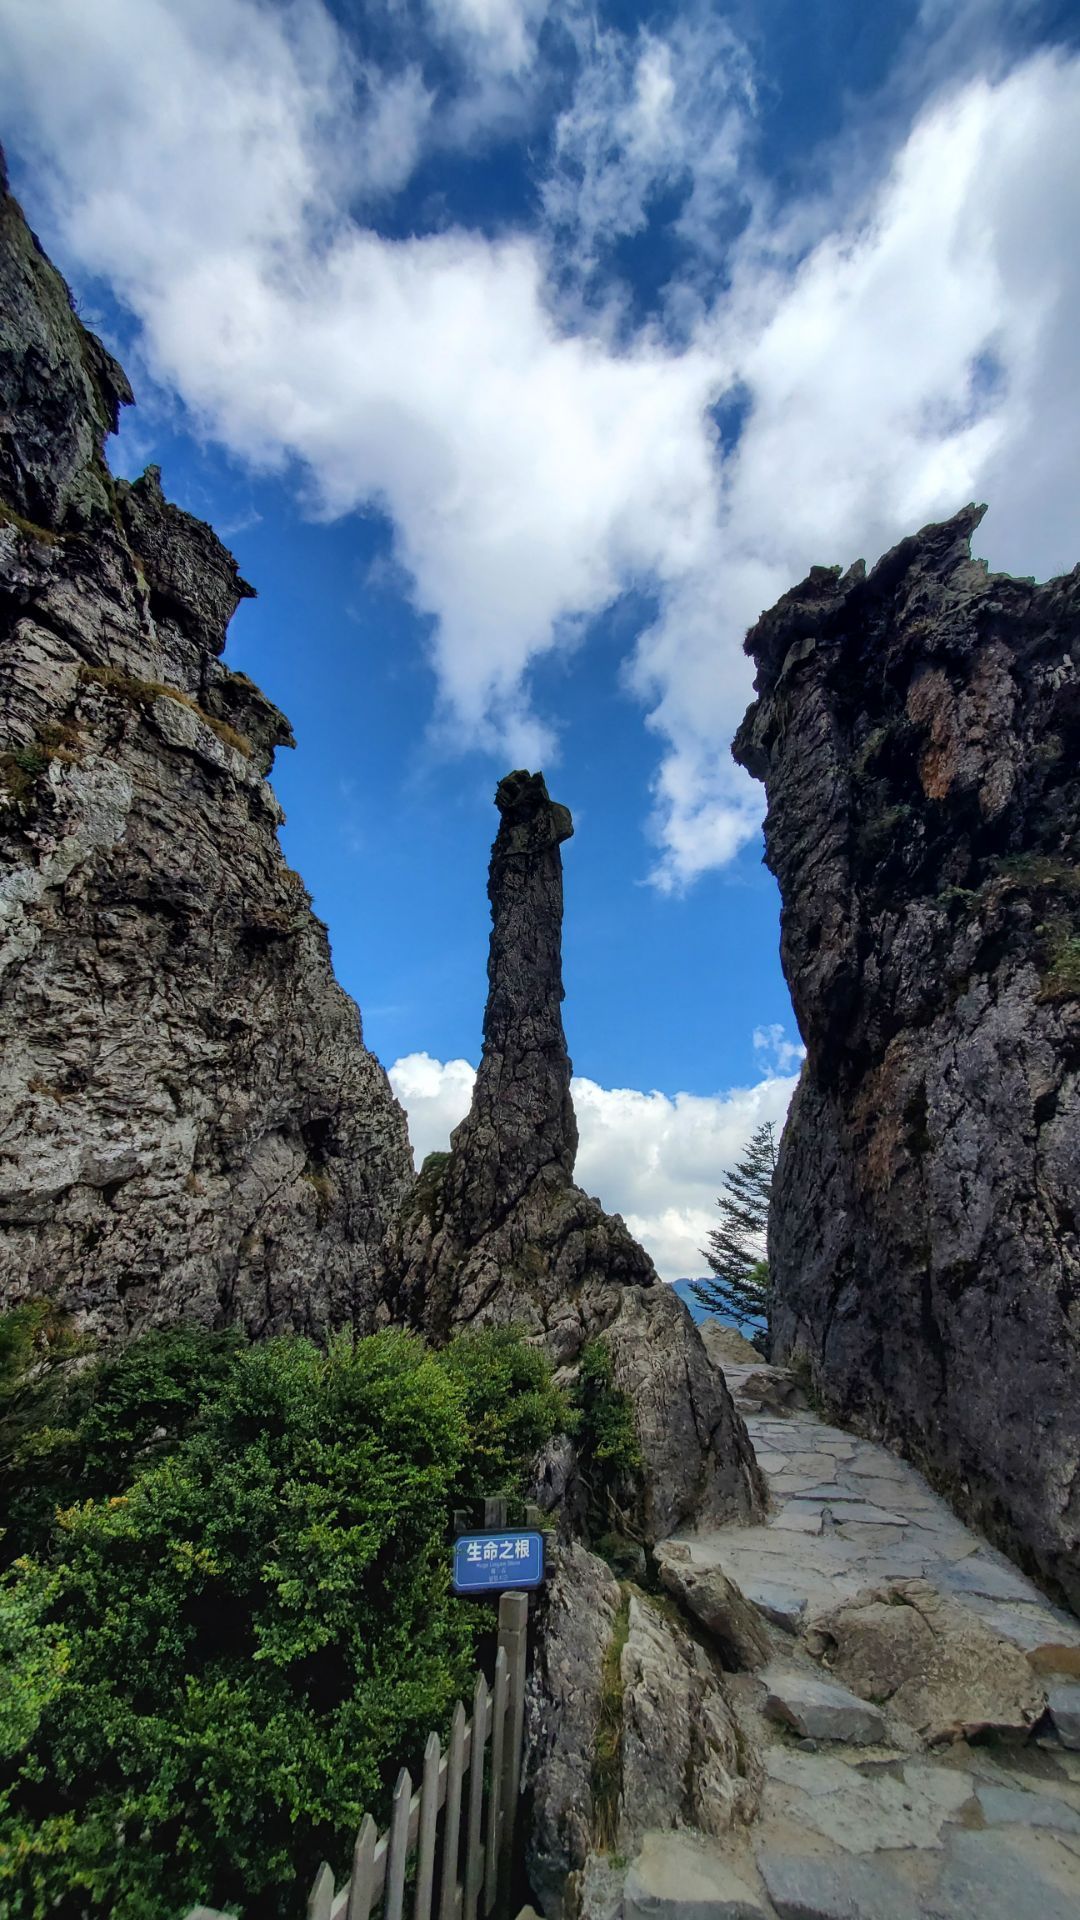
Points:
[[629, 1731], [497, 1232], [191, 1125], [918, 732]]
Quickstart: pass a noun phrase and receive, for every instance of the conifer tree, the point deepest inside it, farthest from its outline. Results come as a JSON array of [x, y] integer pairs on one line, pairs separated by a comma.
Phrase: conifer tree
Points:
[[736, 1250]]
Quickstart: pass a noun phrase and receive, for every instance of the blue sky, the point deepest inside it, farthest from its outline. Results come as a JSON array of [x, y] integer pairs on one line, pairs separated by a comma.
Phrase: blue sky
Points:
[[523, 351]]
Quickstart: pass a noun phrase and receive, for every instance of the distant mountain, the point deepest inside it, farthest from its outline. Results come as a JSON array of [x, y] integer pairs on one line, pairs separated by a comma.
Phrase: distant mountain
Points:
[[685, 1291]]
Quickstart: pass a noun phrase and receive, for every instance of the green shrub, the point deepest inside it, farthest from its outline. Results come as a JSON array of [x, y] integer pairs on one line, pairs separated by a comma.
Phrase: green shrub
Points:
[[82, 1431], [213, 1668], [511, 1406], [609, 1458]]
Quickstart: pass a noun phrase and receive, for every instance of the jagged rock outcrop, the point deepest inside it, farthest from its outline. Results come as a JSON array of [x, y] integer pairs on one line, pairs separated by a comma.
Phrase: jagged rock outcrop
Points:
[[918, 732], [497, 1232], [190, 1125]]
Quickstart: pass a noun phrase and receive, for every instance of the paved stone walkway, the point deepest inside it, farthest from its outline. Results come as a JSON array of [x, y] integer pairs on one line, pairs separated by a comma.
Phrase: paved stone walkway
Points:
[[878, 1807]]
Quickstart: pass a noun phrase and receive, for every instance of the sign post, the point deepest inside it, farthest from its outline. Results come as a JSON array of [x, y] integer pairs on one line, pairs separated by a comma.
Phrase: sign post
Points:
[[508, 1561]]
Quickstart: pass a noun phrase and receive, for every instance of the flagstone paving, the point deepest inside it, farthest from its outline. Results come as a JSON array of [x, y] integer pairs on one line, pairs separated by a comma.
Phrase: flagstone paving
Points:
[[860, 1818]]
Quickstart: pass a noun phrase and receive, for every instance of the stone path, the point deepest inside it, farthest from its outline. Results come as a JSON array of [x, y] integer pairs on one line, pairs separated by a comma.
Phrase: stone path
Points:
[[846, 1514], [948, 1788]]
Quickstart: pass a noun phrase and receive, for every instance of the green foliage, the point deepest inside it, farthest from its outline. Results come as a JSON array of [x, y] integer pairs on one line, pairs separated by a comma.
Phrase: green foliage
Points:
[[510, 1404], [1040, 871], [609, 1458], [213, 1667], [81, 1432], [37, 1348], [740, 1289], [42, 536]]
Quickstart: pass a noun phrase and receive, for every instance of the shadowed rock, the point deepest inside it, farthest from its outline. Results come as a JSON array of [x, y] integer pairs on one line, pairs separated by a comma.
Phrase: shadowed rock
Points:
[[190, 1124], [918, 732], [497, 1232]]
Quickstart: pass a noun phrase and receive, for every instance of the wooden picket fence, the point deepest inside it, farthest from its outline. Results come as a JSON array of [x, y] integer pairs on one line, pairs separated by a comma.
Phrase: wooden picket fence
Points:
[[463, 1865]]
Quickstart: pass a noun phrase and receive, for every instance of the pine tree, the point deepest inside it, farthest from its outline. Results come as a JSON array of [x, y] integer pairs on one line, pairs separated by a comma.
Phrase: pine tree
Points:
[[736, 1249]]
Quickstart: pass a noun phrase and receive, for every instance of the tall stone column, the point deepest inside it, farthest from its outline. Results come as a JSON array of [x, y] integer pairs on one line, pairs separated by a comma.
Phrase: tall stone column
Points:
[[521, 1127]]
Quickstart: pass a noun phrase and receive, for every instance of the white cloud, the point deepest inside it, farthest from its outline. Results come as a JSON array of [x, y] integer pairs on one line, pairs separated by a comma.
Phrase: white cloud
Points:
[[651, 112], [497, 34], [776, 1050], [436, 1095], [922, 351], [866, 368], [657, 1159]]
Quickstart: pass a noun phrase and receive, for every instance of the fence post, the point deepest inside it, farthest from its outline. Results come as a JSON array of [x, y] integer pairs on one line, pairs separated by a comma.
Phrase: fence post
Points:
[[321, 1897], [513, 1630], [495, 1799], [425, 1843], [495, 1512], [474, 1848], [398, 1851], [455, 1762], [362, 1883]]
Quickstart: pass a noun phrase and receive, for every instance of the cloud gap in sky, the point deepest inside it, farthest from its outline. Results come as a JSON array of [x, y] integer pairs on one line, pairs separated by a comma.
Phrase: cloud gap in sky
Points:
[[213, 162]]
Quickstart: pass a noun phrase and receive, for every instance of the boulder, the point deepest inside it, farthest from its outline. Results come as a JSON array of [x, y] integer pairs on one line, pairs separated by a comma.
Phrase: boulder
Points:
[[733, 1624], [726, 1345], [575, 1622], [684, 1760], [819, 1710], [627, 1730], [679, 1876], [934, 1662]]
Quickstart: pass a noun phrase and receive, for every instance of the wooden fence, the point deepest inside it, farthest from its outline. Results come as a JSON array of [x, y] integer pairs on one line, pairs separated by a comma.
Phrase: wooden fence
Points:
[[463, 1865]]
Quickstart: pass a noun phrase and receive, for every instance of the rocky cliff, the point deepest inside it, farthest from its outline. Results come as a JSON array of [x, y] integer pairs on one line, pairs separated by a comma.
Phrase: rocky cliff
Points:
[[497, 1232], [191, 1125], [918, 733]]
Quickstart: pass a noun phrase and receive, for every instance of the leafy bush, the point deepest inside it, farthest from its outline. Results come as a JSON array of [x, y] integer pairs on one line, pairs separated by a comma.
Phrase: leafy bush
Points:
[[511, 1406], [609, 1458], [70, 1430], [213, 1668]]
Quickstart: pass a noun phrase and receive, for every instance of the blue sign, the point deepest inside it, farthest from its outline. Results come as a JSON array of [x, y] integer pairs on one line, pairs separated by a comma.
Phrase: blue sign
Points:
[[495, 1562]]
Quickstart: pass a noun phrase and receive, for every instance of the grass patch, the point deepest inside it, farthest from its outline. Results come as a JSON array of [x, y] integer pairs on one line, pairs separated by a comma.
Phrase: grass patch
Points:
[[879, 833], [22, 767], [323, 1189], [801, 1367], [1040, 870], [1061, 981], [29, 529], [607, 1751], [143, 693]]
